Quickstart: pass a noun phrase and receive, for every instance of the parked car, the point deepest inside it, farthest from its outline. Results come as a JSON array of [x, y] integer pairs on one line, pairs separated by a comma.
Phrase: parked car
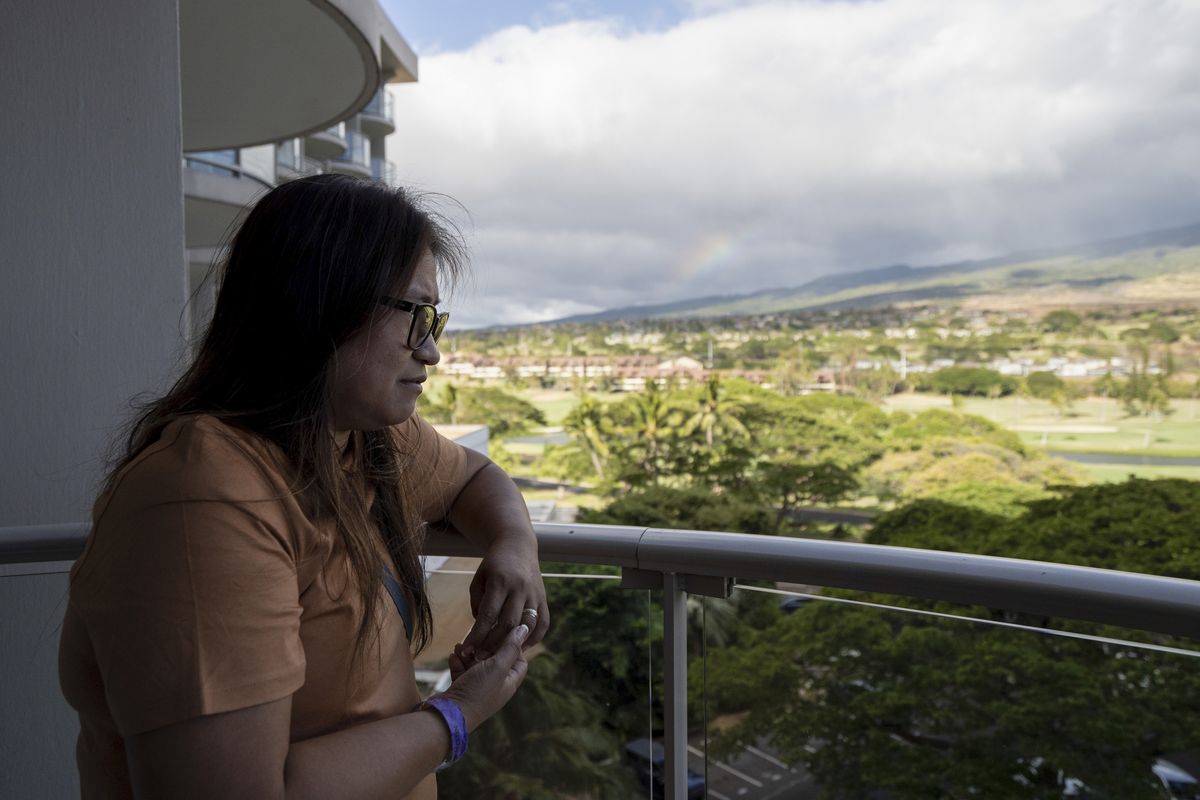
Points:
[[644, 755], [794, 603]]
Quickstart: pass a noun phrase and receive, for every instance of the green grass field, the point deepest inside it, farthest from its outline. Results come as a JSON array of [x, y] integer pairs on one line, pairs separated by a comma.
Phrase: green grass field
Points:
[[1091, 426], [578, 500], [1105, 473], [1094, 425], [556, 404]]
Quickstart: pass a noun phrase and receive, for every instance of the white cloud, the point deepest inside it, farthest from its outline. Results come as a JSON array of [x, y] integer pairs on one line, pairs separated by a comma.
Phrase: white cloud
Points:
[[763, 145]]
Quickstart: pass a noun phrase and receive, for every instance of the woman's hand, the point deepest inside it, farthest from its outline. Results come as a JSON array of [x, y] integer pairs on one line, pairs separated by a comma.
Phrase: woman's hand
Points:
[[485, 686], [507, 584]]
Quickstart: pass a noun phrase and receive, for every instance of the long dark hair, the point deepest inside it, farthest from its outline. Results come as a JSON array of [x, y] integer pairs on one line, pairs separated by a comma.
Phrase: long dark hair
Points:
[[303, 274]]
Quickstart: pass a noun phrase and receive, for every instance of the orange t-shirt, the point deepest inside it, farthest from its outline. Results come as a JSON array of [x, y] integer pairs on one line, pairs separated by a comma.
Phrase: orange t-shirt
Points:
[[205, 588]]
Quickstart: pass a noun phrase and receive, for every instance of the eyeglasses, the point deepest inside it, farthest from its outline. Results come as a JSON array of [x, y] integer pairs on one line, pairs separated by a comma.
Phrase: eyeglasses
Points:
[[426, 321]]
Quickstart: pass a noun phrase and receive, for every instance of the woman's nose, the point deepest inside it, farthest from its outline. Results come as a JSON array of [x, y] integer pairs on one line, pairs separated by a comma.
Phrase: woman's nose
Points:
[[428, 352]]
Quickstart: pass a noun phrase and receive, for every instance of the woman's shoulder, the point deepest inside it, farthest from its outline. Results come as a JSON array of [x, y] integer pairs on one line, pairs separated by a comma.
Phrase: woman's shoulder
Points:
[[200, 457]]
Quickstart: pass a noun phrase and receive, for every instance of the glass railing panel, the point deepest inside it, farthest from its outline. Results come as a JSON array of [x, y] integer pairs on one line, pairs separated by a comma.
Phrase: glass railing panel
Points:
[[223, 156], [845, 695], [383, 170], [212, 161], [590, 697], [358, 149], [380, 105], [287, 154], [310, 166]]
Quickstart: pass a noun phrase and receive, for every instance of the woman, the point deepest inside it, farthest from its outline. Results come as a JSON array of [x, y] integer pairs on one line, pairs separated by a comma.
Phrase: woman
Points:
[[240, 622]]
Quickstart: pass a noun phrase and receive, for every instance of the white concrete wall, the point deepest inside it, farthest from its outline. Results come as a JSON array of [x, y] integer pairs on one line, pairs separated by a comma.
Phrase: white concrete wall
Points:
[[91, 255]]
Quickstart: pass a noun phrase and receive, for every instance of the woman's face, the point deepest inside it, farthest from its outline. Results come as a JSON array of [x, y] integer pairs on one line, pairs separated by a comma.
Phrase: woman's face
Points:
[[377, 377]]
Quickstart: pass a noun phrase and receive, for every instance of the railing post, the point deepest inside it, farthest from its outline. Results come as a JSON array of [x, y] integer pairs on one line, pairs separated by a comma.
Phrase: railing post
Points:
[[675, 685]]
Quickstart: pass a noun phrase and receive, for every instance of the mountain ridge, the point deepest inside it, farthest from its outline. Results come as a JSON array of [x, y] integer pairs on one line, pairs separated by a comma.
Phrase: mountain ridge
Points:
[[854, 289]]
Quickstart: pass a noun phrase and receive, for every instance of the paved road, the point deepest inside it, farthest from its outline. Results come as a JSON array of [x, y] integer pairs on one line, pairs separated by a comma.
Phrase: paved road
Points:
[[756, 773]]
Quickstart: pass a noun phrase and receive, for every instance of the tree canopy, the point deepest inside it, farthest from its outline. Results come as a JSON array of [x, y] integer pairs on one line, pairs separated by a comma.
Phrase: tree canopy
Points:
[[926, 707]]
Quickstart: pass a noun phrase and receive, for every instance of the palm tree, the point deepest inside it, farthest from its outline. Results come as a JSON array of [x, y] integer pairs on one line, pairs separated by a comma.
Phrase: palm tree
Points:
[[716, 412], [653, 416], [589, 425], [711, 620]]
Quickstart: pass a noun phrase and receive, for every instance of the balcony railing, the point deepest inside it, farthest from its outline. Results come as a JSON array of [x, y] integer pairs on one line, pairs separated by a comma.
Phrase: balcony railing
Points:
[[680, 563], [289, 155], [219, 163], [382, 105]]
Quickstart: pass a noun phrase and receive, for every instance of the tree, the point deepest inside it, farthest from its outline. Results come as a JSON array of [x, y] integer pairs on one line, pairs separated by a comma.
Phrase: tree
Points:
[[1044, 385], [922, 707], [588, 427], [715, 412], [606, 637], [692, 508], [977, 381], [649, 421], [550, 742], [794, 483], [504, 413], [1061, 321]]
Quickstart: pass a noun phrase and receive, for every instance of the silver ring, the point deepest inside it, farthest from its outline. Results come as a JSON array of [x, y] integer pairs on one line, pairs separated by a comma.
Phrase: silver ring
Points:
[[531, 612]]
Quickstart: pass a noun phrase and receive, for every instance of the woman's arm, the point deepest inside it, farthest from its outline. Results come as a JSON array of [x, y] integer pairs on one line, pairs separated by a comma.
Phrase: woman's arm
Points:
[[490, 513], [245, 753]]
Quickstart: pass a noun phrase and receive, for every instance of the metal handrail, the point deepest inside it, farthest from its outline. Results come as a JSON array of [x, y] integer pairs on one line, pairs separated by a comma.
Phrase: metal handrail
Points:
[[1130, 600]]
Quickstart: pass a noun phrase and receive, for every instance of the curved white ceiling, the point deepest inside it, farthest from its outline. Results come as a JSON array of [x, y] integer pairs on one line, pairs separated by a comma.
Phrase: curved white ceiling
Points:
[[257, 71]]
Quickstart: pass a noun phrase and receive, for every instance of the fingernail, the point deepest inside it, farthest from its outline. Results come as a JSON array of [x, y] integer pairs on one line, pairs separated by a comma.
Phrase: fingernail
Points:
[[522, 632]]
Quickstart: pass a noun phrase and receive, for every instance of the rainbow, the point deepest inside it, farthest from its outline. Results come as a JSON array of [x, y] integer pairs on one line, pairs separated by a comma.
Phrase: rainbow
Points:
[[705, 254]]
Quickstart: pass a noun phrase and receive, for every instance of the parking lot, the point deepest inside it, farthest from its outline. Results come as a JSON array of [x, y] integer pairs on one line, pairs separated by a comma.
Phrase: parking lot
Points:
[[756, 773]]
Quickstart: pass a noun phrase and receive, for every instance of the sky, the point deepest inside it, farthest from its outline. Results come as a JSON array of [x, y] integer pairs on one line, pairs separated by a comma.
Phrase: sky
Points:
[[620, 153]]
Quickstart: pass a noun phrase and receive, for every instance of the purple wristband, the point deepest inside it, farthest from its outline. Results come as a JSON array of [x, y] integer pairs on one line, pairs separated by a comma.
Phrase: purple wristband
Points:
[[455, 721]]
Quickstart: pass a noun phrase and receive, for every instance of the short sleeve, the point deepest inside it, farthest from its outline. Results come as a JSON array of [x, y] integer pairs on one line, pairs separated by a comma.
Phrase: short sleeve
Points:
[[189, 591], [438, 467]]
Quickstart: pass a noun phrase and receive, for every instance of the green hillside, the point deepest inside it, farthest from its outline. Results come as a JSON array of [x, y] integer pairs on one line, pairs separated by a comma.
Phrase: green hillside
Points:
[[1136, 277], [1149, 268]]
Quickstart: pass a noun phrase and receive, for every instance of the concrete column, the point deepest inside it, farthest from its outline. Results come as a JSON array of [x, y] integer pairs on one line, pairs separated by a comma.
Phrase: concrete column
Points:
[[91, 238], [91, 297]]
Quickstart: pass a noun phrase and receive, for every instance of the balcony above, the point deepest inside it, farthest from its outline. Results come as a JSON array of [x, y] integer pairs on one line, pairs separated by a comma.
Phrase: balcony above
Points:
[[326, 143], [356, 158], [379, 117], [260, 72], [216, 193]]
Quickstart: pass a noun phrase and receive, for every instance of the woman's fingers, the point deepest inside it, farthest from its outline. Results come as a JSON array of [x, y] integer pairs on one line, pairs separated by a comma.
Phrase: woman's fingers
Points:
[[485, 686], [541, 626], [487, 616], [509, 618]]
